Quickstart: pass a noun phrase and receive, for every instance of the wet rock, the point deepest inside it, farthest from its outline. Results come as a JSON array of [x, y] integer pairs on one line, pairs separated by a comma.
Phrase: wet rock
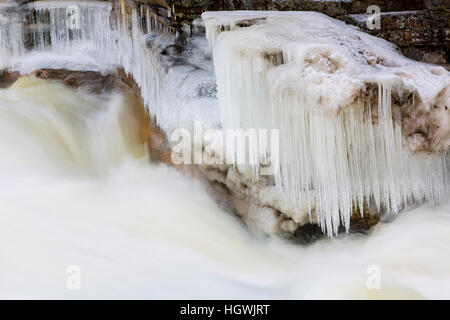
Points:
[[307, 234], [429, 54], [90, 81], [172, 50], [157, 142], [362, 222], [7, 78]]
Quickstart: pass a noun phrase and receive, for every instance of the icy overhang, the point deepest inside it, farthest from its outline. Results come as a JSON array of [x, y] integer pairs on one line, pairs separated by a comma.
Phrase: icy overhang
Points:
[[359, 123], [334, 62]]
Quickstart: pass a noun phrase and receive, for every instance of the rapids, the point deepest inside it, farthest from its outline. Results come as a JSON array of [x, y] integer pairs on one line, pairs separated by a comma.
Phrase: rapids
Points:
[[77, 189]]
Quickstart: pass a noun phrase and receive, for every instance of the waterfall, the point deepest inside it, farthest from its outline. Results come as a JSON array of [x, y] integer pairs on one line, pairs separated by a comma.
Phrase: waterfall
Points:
[[44, 26], [77, 191], [327, 87], [66, 130], [98, 41], [11, 41]]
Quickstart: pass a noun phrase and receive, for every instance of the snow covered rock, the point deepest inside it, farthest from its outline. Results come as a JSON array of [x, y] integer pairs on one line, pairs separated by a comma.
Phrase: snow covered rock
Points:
[[359, 123]]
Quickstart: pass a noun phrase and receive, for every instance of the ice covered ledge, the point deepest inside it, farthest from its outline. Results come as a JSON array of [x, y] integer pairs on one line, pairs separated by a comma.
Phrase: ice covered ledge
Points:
[[264, 207], [360, 123], [337, 64]]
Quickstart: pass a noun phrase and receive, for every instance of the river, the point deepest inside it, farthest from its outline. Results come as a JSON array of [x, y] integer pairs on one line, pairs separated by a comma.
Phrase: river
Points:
[[79, 197]]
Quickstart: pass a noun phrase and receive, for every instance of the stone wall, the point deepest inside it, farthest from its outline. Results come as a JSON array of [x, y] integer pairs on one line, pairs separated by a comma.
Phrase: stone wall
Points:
[[422, 35], [419, 27]]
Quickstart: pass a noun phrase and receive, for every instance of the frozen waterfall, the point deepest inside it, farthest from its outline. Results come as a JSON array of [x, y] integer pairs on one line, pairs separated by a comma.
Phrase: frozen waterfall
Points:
[[359, 123], [96, 40], [338, 97]]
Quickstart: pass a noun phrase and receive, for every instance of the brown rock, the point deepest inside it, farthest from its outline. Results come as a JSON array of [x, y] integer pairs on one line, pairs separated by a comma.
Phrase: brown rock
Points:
[[407, 20], [362, 222], [8, 78], [157, 142], [90, 81]]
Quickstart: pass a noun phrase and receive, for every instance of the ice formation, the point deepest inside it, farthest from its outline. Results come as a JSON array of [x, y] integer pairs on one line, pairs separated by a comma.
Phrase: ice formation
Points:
[[102, 41], [340, 99], [351, 110]]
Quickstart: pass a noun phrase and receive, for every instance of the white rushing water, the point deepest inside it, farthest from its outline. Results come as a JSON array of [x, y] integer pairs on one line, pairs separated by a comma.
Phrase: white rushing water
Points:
[[76, 189]]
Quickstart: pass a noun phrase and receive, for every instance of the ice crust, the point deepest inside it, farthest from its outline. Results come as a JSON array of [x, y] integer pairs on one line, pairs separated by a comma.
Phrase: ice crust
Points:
[[338, 97]]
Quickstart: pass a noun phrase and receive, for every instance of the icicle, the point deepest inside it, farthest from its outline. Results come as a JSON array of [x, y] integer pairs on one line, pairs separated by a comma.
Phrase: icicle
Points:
[[149, 27], [11, 39], [115, 46], [333, 160]]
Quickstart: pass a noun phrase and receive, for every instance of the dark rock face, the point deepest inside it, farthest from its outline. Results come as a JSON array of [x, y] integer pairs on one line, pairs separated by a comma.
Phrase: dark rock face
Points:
[[192, 8], [8, 78], [422, 35], [419, 27], [308, 234]]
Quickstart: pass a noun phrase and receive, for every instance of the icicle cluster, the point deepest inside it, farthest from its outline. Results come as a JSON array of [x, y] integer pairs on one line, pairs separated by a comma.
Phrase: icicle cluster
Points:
[[50, 30], [11, 41], [309, 76], [97, 39]]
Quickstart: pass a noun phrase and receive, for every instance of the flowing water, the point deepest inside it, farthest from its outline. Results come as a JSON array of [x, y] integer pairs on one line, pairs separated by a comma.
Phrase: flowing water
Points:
[[77, 189]]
